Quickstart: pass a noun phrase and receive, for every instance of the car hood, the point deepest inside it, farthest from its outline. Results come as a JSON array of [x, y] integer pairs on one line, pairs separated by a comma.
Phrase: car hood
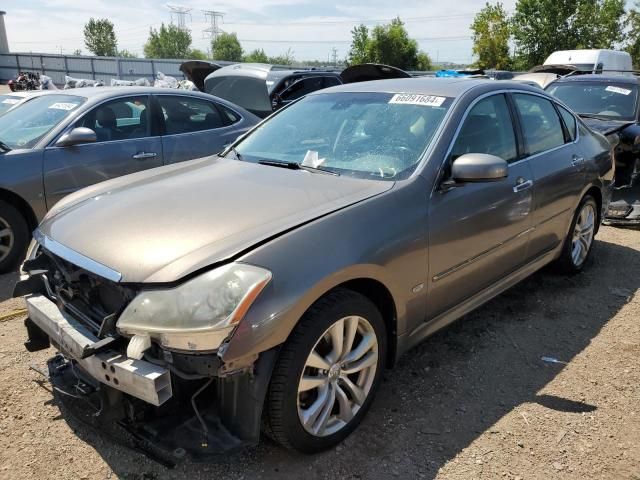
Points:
[[605, 126], [163, 224]]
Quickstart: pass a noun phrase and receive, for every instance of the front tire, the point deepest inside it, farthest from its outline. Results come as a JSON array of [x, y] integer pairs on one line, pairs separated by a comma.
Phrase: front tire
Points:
[[578, 245], [327, 373], [14, 237]]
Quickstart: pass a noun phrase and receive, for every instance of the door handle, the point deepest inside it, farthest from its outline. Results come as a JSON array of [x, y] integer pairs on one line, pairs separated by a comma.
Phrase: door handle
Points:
[[143, 155], [522, 185], [576, 161]]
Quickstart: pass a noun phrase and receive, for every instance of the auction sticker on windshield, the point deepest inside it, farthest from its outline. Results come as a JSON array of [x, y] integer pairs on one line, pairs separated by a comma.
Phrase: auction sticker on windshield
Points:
[[620, 90], [64, 106], [417, 99]]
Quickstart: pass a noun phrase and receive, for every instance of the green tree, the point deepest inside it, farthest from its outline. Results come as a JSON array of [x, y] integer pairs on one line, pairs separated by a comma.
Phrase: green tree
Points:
[[168, 42], [100, 38], [390, 44], [227, 47], [598, 24], [540, 27], [424, 62], [77, 52], [359, 51], [126, 54], [197, 54], [633, 38], [286, 58], [256, 56], [491, 33]]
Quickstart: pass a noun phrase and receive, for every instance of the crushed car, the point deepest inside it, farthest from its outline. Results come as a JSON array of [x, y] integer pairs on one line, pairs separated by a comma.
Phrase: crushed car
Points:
[[268, 287], [608, 103]]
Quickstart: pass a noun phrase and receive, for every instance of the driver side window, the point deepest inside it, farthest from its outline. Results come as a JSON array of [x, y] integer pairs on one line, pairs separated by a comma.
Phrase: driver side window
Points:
[[488, 128]]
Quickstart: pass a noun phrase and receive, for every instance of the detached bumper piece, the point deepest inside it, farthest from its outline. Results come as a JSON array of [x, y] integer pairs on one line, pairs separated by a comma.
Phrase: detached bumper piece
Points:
[[171, 407], [138, 378], [624, 208]]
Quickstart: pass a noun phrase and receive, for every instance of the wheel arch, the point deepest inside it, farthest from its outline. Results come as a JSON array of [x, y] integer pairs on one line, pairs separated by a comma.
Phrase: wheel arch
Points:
[[21, 204], [382, 298], [596, 193]]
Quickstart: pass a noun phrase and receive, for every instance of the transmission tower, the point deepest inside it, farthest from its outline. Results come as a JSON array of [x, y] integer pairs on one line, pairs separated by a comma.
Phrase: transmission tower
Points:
[[214, 19], [179, 15]]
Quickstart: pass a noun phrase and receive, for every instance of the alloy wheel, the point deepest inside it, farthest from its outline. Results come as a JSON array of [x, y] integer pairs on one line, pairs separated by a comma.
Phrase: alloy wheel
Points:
[[583, 233], [6, 239], [337, 376]]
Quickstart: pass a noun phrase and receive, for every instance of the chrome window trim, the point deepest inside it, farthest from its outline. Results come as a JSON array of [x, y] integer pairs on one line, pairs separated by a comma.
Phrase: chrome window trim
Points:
[[76, 258]]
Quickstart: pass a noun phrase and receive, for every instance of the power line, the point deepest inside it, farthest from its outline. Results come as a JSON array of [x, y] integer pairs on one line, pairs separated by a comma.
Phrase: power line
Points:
[[214, 18], [354, 21], [179, 13]]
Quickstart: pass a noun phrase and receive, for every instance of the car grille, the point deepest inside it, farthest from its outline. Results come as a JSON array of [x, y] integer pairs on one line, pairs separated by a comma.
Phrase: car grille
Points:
[[92, 300]]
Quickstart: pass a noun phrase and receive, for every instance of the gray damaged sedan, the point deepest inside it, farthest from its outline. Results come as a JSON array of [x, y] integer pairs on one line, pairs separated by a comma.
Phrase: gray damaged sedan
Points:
[[272, 285], [58, 142]]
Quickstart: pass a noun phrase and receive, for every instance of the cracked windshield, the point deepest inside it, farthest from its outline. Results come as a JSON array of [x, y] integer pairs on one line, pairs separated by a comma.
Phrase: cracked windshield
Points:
[[363, 135]]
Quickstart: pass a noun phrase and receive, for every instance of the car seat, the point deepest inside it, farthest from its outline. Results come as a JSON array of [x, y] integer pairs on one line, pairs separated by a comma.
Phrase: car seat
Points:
[[108, 125]]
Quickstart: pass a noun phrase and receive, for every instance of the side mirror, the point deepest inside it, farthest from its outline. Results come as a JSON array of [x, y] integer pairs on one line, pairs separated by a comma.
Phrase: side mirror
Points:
[[77, 136], [479, 167]]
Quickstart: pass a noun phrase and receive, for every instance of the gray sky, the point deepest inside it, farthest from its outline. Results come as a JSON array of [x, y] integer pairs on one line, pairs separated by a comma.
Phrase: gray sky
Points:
[[310, 28]]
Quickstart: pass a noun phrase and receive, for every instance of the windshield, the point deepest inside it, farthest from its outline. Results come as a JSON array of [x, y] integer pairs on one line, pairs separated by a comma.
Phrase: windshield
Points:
[[364, 135], [7, 102], [616, 101], [23, 127]]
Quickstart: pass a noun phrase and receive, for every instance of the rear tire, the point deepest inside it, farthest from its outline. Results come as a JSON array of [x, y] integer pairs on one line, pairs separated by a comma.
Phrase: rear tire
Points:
[[327, 373], [578, 245], [14, 237]]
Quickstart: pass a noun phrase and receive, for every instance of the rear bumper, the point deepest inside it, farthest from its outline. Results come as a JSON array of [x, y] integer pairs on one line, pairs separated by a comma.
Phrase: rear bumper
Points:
[[138, 378]]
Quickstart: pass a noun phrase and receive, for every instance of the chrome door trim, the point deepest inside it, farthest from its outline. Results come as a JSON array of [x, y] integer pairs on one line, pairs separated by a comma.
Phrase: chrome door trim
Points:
[[76, 258], [480, 256]]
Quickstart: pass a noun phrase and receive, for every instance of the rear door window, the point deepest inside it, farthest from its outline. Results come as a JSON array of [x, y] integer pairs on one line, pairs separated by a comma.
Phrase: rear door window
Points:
[[541, 125], [184, 114], [487, 129]]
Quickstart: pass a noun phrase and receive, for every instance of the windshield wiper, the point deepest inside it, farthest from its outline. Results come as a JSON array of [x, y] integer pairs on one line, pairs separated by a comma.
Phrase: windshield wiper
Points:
[[297, 166], [5, 147], [235, 152]]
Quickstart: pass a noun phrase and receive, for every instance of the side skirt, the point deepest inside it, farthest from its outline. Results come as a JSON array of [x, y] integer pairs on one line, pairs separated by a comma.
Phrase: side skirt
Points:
[[429, 328]]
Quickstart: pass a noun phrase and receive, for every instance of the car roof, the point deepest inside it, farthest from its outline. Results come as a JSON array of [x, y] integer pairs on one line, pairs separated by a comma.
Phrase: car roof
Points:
[[100, 93], [445, 86], [600, 77], [26, 93]]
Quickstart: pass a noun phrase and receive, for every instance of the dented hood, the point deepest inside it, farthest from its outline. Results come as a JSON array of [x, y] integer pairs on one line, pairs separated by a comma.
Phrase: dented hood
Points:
[[163, 224], [605, 126]]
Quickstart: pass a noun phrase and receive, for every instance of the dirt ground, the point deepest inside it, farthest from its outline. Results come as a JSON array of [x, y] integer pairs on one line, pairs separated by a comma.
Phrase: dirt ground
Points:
[[474, 401]]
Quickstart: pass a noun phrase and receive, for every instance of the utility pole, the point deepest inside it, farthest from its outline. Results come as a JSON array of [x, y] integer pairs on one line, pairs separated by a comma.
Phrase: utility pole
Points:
[[214, 19], [179, 15], [334, 56]]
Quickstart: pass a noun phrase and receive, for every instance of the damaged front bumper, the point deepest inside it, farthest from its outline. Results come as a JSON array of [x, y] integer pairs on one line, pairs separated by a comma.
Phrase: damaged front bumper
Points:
[[173, 405], [624, 208]]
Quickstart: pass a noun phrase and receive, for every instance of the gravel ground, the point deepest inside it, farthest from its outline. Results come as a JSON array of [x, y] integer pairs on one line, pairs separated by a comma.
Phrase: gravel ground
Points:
[[474, 401]]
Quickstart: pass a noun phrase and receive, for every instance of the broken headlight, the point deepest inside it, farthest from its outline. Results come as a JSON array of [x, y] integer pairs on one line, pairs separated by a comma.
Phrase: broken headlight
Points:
[[199, 314]]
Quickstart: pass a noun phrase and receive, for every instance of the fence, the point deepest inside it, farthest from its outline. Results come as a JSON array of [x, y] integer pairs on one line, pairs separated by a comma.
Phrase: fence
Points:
[[97, 68]]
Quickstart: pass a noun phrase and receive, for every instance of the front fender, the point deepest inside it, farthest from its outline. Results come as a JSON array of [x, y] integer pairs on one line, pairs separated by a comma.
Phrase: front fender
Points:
[[382, 239]]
